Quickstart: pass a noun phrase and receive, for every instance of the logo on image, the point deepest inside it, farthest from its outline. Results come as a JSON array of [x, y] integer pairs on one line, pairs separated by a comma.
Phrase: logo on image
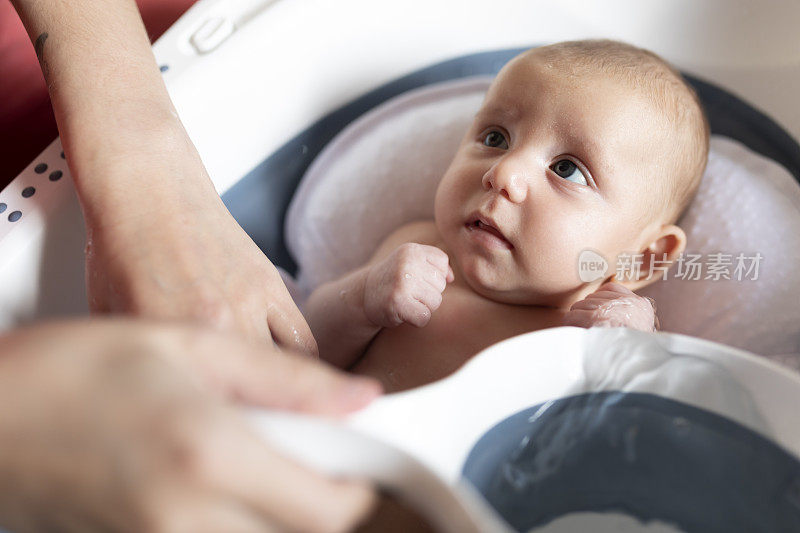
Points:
[[591, 266]]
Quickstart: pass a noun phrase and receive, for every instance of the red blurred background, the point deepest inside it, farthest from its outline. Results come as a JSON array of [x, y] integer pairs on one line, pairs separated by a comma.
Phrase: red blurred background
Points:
[[27, 124]]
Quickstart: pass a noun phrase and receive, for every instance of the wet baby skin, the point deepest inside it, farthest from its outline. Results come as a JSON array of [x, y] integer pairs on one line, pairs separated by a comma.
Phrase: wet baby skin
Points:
[[557, 161]]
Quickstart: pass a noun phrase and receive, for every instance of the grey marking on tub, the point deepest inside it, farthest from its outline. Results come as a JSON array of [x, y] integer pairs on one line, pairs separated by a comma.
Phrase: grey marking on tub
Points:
[[27, 192], [56, 175], [14, 216], [41, 168]]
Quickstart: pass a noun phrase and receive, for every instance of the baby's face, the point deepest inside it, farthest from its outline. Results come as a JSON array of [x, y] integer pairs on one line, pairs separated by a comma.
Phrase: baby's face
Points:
[[552, 165]]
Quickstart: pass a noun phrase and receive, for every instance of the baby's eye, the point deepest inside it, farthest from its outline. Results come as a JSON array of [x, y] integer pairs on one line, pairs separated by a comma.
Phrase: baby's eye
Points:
[[495, 139], [569, 171]]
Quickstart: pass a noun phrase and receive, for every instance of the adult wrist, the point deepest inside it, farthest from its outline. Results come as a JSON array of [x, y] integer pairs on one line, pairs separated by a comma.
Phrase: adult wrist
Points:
[[159, 176]]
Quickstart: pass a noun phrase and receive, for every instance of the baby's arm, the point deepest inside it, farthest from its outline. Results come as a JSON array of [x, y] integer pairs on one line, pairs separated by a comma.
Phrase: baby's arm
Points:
[[403, 282], [613, 305]]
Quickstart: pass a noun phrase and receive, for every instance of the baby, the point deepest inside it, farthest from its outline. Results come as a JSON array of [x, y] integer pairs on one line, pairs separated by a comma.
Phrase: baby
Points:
[[584, 145]]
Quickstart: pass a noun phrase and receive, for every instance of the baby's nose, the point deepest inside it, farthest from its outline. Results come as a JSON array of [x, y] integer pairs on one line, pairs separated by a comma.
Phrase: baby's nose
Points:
[[507, 181]]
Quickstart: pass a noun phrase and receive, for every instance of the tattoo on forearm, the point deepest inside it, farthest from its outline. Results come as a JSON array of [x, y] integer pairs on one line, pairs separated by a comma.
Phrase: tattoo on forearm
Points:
[[39, 47]]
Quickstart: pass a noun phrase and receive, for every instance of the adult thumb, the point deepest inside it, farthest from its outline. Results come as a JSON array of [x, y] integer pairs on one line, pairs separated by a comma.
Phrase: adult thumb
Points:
[[264, 376]]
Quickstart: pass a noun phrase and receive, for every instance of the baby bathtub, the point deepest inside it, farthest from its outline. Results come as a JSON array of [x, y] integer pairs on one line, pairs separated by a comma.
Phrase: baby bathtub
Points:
[[263, 85]]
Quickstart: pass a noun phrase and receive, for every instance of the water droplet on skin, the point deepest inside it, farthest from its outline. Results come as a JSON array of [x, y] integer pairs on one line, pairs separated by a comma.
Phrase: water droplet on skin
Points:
[[407, 275]]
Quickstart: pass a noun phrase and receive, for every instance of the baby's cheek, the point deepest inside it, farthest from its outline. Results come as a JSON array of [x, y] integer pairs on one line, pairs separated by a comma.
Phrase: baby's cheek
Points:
[[551, 275], [556, 258]]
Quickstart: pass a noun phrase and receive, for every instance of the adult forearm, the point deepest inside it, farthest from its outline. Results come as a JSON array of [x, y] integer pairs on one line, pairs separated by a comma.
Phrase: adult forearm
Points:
[[160, 242], [335, 313], [110, 103]]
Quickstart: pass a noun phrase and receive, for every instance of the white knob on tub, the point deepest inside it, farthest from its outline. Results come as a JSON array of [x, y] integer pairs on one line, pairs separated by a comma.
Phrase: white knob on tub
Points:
[[211, 34]]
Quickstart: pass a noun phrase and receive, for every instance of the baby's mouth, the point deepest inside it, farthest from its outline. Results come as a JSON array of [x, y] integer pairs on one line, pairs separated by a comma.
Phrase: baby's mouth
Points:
[[483, 225]]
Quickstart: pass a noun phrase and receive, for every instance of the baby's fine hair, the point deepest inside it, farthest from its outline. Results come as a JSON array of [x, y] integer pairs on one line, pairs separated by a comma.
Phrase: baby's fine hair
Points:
[[671, 93]]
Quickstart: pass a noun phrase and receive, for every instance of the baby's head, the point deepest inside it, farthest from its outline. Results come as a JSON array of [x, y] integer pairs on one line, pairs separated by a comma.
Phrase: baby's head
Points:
[[584, 145]]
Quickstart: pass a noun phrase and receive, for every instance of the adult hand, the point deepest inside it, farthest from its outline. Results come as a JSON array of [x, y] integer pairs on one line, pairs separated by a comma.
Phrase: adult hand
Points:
[[181, 255], [110, 426], [160, 242]]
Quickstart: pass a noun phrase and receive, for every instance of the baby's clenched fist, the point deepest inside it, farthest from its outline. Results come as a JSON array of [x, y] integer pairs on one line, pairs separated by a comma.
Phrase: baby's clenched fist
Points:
[[407, 286], [613, 305]]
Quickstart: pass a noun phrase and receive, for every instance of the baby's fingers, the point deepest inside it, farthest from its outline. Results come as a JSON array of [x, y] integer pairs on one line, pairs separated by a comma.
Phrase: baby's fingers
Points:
[[419, 309], [439, 260], [581, 318], [435, 280], [589, 304], [450, 275], [614, 287], [606, 295], [429, 297], [416, 313]]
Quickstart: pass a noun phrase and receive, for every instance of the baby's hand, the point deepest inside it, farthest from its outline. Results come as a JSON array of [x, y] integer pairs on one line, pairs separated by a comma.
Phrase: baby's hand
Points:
[[613, 305], [407, 286]]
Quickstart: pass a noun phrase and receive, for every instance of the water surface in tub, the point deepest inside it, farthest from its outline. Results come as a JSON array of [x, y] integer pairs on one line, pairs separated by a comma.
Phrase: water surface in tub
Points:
[[611, 522], [622, 453], [655, 460]]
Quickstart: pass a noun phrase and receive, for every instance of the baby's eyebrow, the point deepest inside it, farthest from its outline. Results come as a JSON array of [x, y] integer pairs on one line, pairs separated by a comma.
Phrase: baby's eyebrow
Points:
[[506, 112], [592, 152]]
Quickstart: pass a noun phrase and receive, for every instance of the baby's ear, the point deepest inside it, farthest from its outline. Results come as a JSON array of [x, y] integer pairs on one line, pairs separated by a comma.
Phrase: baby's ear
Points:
[[656, 258]]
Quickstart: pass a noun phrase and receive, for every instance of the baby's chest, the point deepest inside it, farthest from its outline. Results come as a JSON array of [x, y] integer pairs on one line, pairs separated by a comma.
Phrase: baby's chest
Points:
[[465, 323]]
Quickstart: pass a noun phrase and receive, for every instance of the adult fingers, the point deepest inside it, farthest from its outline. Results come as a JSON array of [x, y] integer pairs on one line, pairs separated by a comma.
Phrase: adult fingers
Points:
[[289, 495], [286, 324], [264, 376], [179, 512], [288, 382]]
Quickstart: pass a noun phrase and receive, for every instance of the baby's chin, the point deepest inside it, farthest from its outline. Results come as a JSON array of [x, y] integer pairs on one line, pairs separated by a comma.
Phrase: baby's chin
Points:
[[499, 288]]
